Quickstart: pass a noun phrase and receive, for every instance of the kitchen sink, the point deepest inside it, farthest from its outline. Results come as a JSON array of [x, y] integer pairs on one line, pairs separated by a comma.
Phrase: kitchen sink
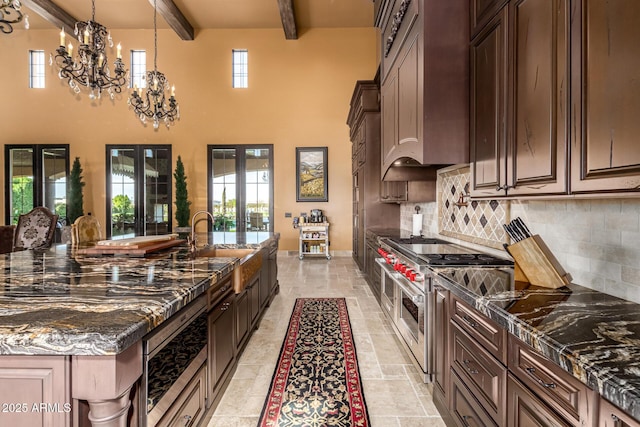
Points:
[[250, 263]]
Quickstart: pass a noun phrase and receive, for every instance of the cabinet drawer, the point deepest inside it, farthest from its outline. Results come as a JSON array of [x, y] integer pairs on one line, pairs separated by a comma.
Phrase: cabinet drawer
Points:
[[526, 409], [465, 410], [564, 393], [485, 377], [487, 332], [611, 416], [189, 407]]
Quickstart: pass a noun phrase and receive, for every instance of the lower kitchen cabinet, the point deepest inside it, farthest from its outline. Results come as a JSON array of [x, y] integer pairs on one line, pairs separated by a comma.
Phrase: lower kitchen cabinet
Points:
[[610, 416], [222, 345], [525, 409], [466, 411], [242, 319], [572, 400], [253, 291], [440, 353], [189, 408]]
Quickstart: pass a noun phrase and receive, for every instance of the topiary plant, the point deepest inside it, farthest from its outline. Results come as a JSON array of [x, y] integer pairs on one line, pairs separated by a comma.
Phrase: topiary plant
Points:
[[75, 199], [182, 198]]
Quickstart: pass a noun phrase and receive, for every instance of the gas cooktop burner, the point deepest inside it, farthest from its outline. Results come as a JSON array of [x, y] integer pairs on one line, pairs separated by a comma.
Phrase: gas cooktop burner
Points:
[[464, 259], [418, 240]]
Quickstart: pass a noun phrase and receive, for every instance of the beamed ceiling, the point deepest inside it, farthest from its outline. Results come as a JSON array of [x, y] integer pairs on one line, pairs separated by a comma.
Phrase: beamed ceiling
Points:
[[187, 17]]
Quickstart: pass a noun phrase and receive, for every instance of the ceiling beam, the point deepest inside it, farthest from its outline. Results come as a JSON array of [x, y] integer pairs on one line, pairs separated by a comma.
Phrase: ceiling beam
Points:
[[53, 13], [174, 17], [288, 19]]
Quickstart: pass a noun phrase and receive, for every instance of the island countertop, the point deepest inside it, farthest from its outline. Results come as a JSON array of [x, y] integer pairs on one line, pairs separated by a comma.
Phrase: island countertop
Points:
[[56, 302], [593, 336]]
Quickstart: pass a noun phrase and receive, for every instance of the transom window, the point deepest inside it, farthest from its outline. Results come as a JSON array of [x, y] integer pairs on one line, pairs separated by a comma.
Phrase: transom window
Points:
[[240, 68], [36, 69], [138, 68]]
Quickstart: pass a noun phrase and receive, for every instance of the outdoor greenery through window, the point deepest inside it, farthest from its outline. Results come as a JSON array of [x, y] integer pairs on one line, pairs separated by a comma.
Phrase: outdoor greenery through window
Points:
[[139, 190], [36, 69], [240, 68], [38, 175], [241, 187], [138, 68]]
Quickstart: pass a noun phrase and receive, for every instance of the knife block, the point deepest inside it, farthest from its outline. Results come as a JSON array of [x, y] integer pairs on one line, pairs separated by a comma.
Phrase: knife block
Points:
[[535, 264]]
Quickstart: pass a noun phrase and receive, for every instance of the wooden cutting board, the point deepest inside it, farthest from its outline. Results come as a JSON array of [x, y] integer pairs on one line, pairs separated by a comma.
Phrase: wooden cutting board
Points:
[[132, 250]]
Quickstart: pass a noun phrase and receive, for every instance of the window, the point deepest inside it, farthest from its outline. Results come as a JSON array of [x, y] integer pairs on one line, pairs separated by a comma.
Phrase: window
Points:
[[138, 68], [37, 176], [240, 187], [240, 68], [36, 69], [138, 190]]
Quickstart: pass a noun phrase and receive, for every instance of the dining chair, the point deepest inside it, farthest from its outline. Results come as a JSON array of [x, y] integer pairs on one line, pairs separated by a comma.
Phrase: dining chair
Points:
[[35, 229], [86, 229]]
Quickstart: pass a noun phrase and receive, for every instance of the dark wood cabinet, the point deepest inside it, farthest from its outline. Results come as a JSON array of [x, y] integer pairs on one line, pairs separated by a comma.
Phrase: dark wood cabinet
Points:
[[466, 411], [424, 82], [368, 207], [525, 409], [605, 96], [222, 345], [481, 12], [242, 319], [611, 416], [520, 61], [441, 365]]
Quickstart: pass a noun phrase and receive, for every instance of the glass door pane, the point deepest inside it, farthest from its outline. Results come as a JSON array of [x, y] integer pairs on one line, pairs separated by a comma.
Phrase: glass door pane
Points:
[[257, 189], [157, 179], [223, 165], [54, 180], [21, 176], [123, 195]]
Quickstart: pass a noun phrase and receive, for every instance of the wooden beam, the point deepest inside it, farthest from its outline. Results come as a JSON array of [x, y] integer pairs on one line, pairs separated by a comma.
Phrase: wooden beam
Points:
[[53, 13], [175, 18], [288, 19]]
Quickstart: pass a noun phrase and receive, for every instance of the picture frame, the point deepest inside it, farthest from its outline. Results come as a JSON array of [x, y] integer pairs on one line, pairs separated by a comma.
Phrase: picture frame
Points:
[[312, 174]]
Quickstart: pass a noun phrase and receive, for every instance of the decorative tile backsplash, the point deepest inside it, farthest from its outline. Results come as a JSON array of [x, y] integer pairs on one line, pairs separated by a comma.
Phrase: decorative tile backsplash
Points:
[[475, 221]]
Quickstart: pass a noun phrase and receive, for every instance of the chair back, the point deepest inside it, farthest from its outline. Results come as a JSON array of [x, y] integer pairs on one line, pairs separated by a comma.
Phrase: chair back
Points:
[[35, 229], [85, 229]]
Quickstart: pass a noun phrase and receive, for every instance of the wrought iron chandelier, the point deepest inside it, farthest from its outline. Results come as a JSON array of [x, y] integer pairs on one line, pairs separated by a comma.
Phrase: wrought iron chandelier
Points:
[[10, 13], [90, 68], [152, 103]]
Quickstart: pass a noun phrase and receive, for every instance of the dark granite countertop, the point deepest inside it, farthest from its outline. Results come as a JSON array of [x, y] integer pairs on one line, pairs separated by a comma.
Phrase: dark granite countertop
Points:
[[59, 303], [591, 335]]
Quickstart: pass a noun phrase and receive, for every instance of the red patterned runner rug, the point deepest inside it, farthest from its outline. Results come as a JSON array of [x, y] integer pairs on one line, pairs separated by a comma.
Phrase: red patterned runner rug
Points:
[[316, 382]]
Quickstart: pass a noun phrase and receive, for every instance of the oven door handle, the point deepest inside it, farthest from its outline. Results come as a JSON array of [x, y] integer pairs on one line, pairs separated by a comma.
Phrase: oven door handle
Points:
[[416, 297]]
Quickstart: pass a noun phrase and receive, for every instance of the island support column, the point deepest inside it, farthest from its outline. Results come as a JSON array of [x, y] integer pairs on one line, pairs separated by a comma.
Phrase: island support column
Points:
[[105, 382]]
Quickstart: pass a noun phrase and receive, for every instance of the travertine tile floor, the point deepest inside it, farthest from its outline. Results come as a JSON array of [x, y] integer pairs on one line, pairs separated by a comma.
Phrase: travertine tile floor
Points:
[[394, 394]]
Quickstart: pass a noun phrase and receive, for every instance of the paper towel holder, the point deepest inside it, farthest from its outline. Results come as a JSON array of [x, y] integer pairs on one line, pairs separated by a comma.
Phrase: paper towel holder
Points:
[[417, 208]]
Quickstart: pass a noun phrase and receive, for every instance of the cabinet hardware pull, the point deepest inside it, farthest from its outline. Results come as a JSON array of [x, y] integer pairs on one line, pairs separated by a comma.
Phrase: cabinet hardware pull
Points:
[[617, 422], [465, 418], [467, 364], [531, 372], [469, 321], [187, 420]]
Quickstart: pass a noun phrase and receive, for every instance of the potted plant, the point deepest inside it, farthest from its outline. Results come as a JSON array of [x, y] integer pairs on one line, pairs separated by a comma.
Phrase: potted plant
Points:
[[75, 200], [183, 211]]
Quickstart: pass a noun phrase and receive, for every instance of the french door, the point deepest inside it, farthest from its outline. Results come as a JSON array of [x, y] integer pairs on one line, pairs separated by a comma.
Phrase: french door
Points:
[[241, 187], [138, 190]]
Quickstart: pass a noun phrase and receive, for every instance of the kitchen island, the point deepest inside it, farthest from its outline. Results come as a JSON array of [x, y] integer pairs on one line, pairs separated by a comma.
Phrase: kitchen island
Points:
[[71, 326]]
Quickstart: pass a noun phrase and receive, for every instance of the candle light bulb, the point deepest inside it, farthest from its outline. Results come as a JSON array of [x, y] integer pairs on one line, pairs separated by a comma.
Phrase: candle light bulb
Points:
[[155, 84], [62, 37], [100, 60], [173, 90], [70, 48], [86, 36], [119, 51]]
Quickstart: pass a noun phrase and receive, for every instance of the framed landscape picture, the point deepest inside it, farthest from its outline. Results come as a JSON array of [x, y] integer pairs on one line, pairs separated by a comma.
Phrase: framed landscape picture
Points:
[[311, 174]]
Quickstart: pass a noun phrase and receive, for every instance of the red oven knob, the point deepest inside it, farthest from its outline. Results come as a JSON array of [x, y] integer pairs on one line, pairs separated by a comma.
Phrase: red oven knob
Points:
[[403, 268], [412, 275]]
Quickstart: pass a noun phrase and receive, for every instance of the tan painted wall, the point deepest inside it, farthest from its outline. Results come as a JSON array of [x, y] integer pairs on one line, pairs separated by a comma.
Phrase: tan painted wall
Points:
[[299, 93]]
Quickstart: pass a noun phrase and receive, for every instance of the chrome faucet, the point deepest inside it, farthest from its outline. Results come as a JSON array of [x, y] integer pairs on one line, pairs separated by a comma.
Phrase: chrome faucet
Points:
[[191, 240]]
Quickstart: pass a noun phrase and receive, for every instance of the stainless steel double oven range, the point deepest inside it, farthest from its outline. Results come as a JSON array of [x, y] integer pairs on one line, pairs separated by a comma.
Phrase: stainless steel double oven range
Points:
[[407, 298]]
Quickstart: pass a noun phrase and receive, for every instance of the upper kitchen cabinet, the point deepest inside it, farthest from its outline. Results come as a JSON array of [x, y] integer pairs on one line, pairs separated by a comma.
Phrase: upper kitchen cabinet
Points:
[[520, 100], [424, 82], [481, 12], [605, 154]]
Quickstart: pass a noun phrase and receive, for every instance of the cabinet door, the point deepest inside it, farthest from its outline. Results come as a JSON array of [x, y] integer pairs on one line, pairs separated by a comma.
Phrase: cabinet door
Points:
[[253, 289], [611, 416], [441, 327], [221, 343], [488, 99], [524, 409], [538, 128], [604, 150], [389, 126], [481, 11], [242, 318]]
